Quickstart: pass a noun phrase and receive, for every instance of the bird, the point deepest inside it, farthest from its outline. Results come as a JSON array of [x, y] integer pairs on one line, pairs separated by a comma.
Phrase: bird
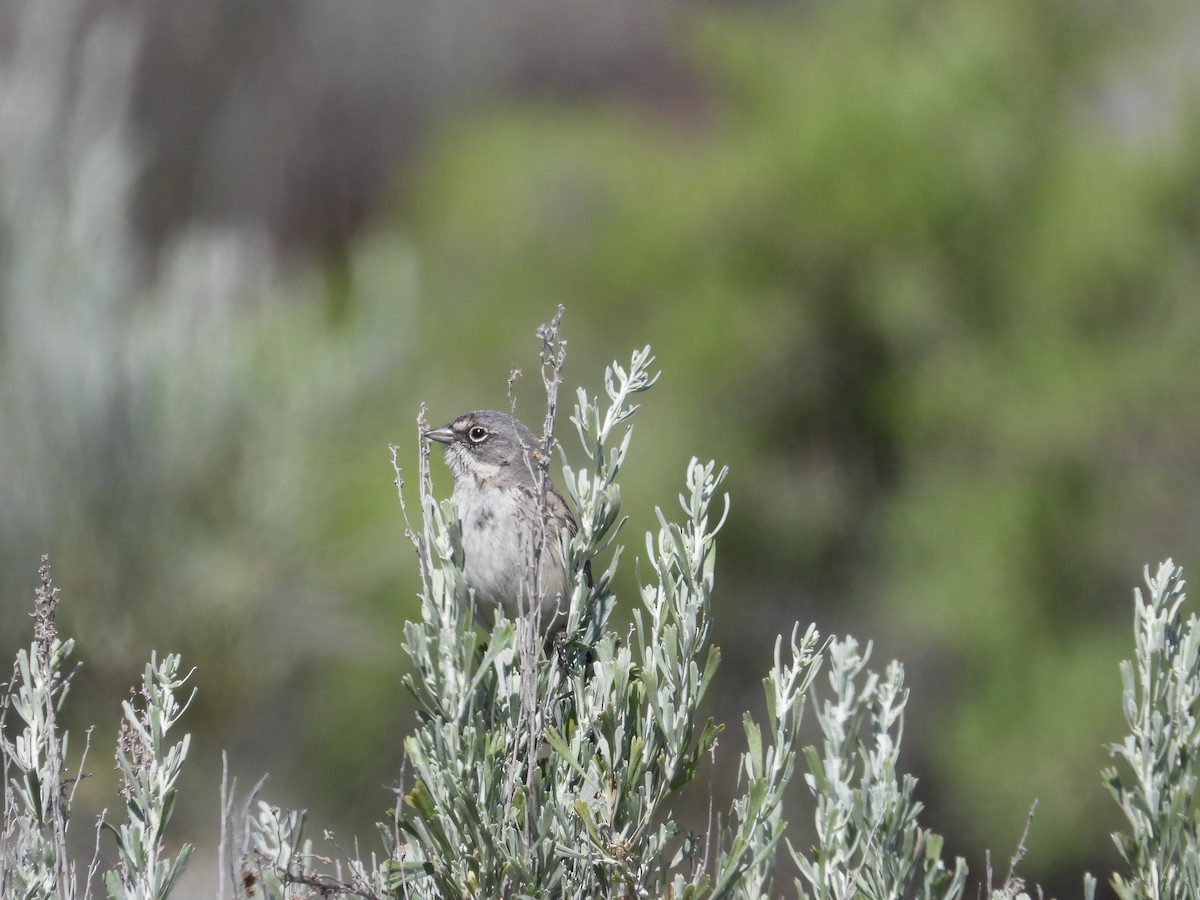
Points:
[[497, 464]]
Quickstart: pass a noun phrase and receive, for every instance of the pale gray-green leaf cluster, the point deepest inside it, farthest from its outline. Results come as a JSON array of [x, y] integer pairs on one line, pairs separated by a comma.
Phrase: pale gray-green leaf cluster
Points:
[[39, 793], [32, 862], [150, 765], [1157, 789], [869, 842]]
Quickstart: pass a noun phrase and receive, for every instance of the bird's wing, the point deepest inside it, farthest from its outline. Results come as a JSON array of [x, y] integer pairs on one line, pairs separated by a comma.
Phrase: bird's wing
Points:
[[560, 512]]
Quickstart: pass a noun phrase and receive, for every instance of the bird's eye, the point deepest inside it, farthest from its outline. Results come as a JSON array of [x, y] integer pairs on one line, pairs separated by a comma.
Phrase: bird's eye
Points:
[[478, 434]]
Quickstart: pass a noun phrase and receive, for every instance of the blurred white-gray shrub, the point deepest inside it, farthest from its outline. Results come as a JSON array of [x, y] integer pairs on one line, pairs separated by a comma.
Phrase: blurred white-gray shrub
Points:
[[160, 426]]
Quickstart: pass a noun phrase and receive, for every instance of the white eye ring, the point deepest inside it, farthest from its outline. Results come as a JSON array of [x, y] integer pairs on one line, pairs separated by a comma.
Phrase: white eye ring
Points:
[[477, 434]]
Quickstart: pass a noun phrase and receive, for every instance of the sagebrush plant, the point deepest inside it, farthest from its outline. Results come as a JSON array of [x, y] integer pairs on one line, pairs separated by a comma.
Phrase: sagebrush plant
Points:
[[555, 774], [869, 843], [555, 771], [39, 795], [149, 768], [1161, 691]]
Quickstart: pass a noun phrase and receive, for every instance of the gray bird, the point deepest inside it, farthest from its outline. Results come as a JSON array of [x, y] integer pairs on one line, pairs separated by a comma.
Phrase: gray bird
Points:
[[495, 462]]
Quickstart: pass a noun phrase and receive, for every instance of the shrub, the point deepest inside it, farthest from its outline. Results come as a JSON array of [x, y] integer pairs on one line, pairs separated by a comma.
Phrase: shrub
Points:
[[38, 794], [535, 773]]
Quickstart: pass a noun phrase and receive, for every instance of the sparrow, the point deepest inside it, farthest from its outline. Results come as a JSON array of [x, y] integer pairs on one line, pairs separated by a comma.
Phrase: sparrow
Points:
[[496, 463]]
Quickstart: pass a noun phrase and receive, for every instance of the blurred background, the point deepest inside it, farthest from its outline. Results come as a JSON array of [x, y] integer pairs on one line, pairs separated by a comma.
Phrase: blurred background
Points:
[[922, 273]]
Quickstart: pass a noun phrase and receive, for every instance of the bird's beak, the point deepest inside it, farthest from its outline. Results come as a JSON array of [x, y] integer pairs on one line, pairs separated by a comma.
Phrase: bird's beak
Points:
[[443, 435]]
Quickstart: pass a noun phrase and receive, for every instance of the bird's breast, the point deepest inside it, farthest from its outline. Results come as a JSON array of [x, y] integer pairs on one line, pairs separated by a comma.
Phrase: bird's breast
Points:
[[499, 535]]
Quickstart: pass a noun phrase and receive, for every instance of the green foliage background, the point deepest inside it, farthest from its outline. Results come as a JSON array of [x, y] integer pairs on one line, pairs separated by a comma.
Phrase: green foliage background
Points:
[[920, 273]]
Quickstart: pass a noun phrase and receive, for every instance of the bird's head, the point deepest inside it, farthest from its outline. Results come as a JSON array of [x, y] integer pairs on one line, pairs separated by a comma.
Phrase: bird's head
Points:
[[490, 446]]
